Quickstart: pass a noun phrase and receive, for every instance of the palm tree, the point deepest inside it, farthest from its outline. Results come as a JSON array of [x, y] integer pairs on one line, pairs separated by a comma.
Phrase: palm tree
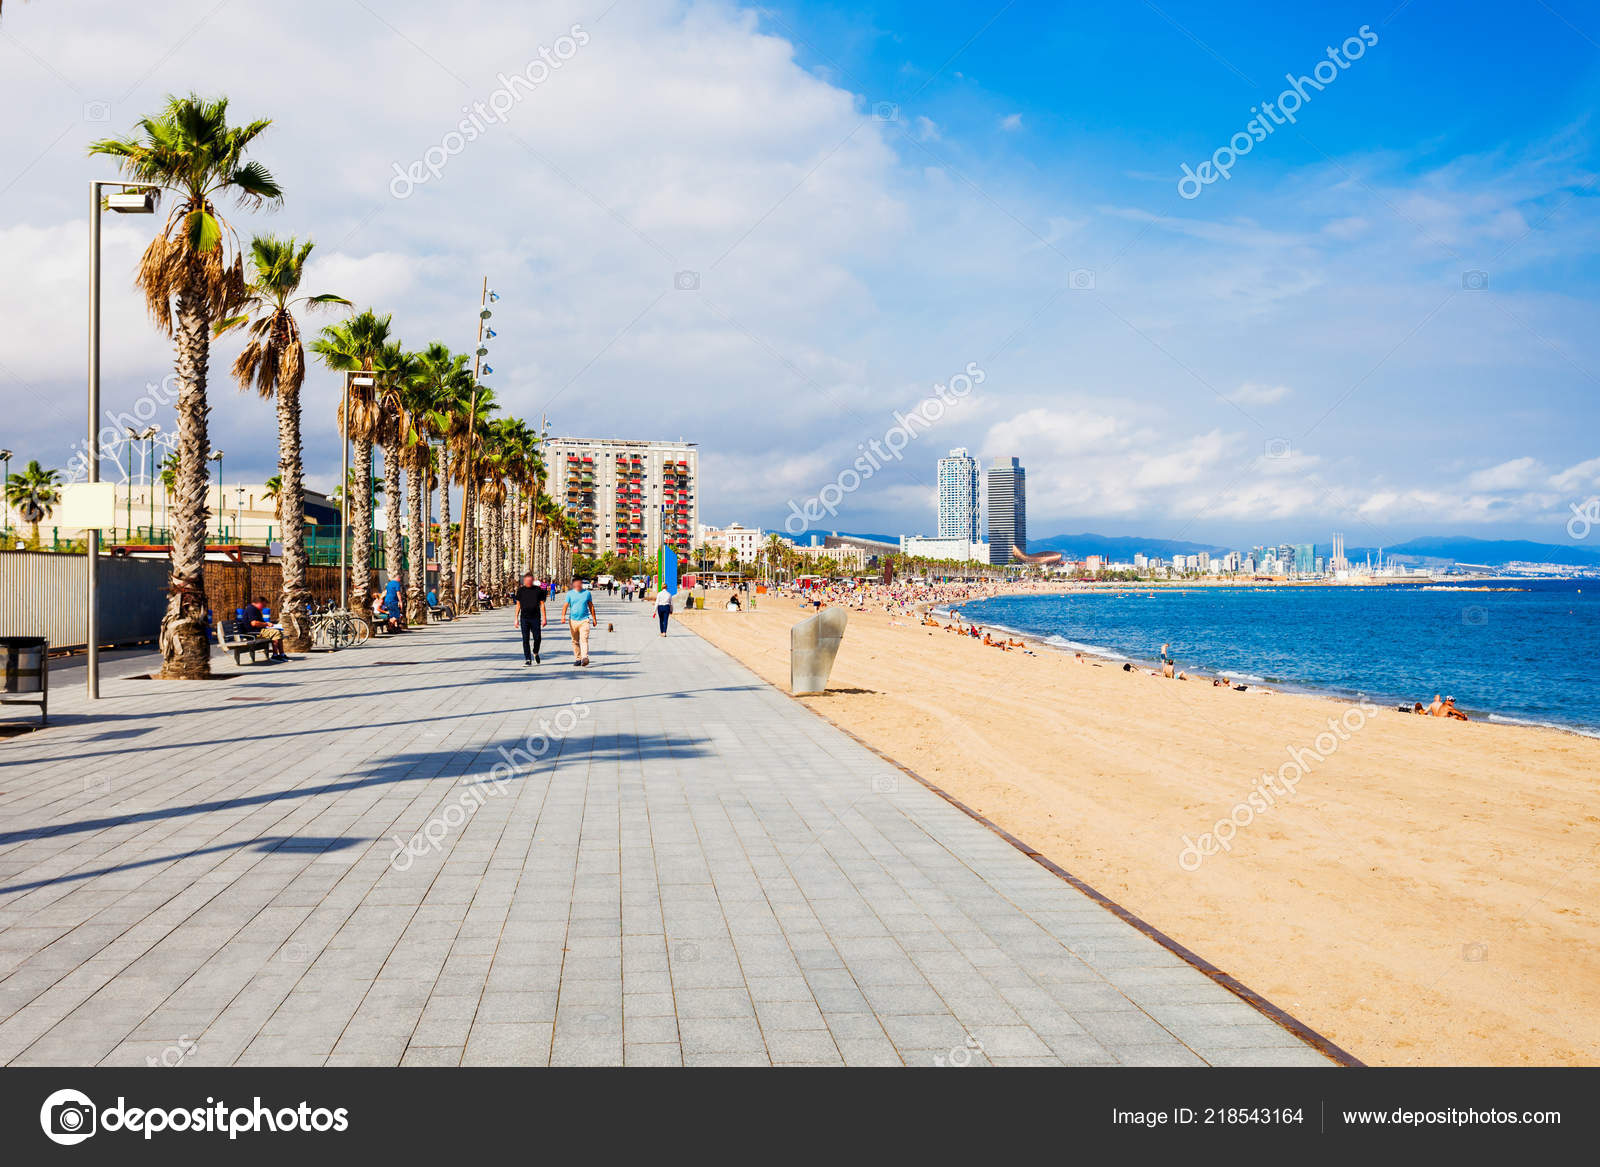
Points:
[[192, 274], [446, 419], [395, 367], [274, 362], [355, 345], [34, 494], [424, 399], [469, 440]]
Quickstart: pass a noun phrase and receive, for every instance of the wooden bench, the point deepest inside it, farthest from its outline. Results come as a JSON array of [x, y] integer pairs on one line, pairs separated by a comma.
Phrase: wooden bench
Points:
[[228, 637]]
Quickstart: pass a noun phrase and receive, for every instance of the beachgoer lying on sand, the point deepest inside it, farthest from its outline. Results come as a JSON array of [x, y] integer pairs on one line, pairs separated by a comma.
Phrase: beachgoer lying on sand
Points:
[[1127, 666], [1015, 643], [1241, 688]]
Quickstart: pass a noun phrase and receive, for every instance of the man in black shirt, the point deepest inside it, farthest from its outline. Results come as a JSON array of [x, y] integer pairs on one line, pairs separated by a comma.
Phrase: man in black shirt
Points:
[[528, 604], [255, 623]]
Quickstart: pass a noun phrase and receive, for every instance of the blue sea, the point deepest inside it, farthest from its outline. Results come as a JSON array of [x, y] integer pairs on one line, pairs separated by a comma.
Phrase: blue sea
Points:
[[1525, 651]]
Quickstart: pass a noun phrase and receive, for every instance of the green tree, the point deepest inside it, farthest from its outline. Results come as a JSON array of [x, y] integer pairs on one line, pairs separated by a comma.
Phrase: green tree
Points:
[[192, 274], [34, 494], [273, 362]]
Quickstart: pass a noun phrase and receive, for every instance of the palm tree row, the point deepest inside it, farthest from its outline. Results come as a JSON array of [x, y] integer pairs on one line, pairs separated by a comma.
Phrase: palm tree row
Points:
[[195, 284]]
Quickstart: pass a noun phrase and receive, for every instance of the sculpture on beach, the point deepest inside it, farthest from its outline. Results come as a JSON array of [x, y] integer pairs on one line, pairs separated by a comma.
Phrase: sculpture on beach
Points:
[[813, 645]]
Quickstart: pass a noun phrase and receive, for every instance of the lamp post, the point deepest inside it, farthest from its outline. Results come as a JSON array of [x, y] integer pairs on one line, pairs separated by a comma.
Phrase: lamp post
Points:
[[238, 514], [126, 201], [135, 436], [216, 456], [149, 478], [5, 499]]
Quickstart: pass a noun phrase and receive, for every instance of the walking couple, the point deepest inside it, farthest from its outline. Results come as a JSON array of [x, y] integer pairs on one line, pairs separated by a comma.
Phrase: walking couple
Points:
[[577, 609]]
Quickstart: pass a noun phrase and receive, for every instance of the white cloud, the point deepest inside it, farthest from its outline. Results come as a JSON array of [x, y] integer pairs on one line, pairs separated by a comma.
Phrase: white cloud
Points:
[[1011, 123], [1510, 475], [1250, 393]]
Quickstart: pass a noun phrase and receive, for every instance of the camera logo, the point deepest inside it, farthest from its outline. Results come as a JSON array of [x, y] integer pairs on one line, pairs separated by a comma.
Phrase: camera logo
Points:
[[885, 111], [68, 1117], [686, 281], [1475, 281], [1278, 449], [1476, 617], [1081, 279], [96, 111]]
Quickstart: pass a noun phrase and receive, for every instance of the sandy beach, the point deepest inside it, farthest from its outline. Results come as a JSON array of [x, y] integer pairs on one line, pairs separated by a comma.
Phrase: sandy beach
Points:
[[1425, 892]]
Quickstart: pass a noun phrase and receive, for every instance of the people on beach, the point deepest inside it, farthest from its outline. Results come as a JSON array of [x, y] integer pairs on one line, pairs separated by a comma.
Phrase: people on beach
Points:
[[663, 608], [528, 606], [577, 609]]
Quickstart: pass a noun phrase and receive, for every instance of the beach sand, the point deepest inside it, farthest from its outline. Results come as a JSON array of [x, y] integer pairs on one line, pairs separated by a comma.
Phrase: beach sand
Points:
[[1429, 895]]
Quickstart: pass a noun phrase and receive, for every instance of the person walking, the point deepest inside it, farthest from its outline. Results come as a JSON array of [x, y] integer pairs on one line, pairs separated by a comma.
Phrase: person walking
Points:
[[577, 609], [528, 602], [663, 608]]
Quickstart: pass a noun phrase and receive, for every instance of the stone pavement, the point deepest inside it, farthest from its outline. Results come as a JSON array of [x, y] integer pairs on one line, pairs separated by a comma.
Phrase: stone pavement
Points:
[[420, 852]]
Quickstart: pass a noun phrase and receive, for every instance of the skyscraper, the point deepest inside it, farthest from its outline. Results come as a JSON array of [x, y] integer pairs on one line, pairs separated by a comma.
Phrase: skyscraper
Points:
[[958, 496], [1008, 509]]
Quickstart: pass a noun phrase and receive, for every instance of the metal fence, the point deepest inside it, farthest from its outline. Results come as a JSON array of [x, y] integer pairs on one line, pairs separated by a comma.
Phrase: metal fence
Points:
[[46, 594]]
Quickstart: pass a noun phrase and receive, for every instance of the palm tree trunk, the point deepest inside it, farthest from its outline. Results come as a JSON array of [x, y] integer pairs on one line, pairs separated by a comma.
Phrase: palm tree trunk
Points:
[[359, 501], [467, 597], [392, 530], [417, 532], [185, 642], [447, 568], [292, 513]]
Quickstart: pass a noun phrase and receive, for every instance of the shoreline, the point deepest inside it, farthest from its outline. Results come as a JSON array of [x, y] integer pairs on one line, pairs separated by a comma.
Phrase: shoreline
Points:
[[1277, 687], [1424, 894]]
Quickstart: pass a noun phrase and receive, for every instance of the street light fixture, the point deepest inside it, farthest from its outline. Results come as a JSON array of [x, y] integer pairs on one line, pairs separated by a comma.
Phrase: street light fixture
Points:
[[125, 200], [216, 456], [137, 436], [5, 456]]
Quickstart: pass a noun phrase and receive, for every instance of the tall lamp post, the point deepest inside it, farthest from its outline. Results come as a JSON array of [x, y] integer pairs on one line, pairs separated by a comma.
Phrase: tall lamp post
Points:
[[5, 456], [138, 436], [238, 515], [125, 201], [217, 456]]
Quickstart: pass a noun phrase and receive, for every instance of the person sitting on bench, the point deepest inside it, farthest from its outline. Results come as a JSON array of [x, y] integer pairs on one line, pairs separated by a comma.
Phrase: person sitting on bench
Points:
[[254, 622]]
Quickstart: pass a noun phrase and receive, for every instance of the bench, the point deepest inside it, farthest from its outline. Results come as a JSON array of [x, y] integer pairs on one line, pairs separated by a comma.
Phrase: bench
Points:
[[230, 639], [440, 612]]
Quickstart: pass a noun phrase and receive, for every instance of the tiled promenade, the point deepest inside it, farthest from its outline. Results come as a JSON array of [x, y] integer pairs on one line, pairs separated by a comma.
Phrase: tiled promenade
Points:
[[696, 871]]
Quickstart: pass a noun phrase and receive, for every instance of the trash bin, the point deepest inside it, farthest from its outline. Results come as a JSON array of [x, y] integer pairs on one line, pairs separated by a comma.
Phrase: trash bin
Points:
[[26, 673]]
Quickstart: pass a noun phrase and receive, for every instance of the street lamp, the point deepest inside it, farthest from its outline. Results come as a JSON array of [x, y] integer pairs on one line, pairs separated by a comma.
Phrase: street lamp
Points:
[[216, 456], [125, 201], [5, 456], [137, 436], [238, 515]]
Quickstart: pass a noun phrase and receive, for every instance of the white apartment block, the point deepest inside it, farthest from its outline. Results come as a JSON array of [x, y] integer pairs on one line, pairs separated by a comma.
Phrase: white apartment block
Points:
[[628, 496]]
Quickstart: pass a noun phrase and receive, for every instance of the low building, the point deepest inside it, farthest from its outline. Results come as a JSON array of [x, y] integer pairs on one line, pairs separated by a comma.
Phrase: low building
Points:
[[955, 549]]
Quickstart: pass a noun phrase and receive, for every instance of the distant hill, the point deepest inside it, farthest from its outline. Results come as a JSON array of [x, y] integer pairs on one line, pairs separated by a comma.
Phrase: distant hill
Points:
[[1494, 552], [1119, 548]]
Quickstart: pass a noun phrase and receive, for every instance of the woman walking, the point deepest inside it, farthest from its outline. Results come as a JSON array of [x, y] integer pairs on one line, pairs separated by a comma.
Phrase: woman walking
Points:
[[663, 608]]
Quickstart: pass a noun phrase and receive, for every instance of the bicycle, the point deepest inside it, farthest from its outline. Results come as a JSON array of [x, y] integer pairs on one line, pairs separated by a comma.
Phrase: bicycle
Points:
[[337, 628]]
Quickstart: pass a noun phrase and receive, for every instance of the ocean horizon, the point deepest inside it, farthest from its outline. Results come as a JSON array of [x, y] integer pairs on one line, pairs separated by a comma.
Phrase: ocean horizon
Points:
[[1517, 651]]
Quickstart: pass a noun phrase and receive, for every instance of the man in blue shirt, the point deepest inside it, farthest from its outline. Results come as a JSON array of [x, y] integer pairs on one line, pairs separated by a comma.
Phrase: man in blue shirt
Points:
[[577, 609]]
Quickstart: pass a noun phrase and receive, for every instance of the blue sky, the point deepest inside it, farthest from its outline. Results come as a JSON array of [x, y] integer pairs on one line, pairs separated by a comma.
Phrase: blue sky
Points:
[[873, 197]]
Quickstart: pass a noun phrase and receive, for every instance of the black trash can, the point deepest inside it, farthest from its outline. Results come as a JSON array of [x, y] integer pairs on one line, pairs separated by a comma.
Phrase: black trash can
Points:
[[25, 679]]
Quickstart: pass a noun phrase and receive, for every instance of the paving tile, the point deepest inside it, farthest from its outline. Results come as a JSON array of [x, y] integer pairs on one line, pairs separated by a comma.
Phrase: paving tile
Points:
[[794, 900]]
